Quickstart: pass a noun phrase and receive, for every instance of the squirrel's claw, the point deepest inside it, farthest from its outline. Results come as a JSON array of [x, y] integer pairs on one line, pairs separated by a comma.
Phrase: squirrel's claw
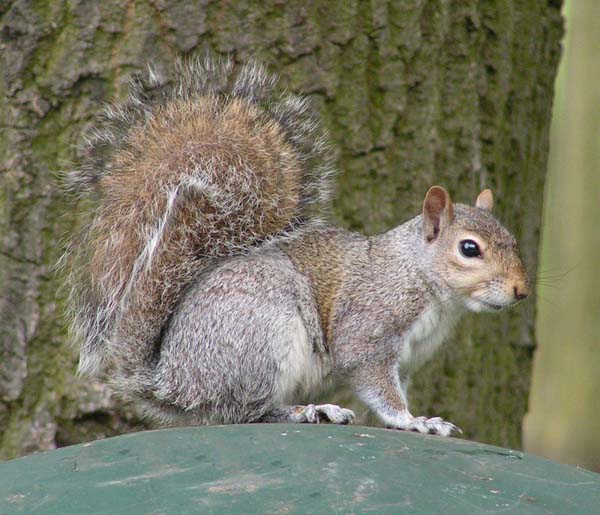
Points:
[[435, 426]]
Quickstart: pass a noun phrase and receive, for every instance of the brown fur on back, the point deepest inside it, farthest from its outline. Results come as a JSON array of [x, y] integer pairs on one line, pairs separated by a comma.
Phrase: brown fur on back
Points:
[[326, 256]]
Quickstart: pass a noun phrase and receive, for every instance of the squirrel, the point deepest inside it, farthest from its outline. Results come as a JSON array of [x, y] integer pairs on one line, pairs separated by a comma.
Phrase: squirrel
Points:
[[209, 290]]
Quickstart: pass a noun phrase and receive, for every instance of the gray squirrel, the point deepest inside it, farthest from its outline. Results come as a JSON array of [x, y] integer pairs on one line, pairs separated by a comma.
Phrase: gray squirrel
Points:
[[207, 287]]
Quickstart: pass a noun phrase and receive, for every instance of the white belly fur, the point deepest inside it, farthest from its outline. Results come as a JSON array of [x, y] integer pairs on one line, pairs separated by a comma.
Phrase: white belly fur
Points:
[[301, 369]]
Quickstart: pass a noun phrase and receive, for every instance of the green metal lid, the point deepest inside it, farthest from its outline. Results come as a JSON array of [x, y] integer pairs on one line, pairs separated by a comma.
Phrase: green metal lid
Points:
[[291, 469]]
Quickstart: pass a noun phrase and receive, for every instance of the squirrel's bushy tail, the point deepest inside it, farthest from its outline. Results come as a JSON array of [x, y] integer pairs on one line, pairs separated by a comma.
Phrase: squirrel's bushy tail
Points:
[[208, 165]]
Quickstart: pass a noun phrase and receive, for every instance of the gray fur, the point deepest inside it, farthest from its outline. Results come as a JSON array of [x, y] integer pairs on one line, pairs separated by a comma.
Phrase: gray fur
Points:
[[215, 319], [227, 349], [228, 344]]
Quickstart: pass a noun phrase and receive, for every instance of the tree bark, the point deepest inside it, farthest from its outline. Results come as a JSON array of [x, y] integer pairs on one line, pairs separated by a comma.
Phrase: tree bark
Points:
[[413, 93]]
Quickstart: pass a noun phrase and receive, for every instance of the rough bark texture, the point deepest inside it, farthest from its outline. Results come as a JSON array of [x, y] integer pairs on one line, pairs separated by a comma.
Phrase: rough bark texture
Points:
[[413, 92]]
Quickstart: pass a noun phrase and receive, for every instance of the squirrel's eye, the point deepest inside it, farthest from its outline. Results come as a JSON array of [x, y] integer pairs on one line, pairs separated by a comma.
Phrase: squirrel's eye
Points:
[[469, 249]]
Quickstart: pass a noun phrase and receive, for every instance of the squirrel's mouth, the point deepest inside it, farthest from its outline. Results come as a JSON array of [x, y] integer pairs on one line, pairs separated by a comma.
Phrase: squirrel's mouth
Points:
[[490, 305], [478, 305]]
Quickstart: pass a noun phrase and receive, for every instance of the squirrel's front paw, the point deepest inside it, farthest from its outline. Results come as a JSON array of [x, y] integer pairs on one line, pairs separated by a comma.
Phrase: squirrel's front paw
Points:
[[434, 426]]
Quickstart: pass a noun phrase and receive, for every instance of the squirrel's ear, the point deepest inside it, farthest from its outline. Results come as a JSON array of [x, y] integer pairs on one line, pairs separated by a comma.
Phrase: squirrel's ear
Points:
[[485, 200], [437, 212]]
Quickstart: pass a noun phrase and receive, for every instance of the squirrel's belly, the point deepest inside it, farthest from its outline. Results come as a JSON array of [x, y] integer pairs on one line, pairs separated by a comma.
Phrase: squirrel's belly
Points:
[[302, 370], [426, 334]]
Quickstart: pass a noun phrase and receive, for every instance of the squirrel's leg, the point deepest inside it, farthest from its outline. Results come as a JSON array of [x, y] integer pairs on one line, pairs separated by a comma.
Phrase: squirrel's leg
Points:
[[382, 390], [309, 414]]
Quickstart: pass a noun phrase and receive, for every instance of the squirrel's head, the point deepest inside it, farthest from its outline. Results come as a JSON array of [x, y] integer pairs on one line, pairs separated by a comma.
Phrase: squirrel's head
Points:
[[472, 252]]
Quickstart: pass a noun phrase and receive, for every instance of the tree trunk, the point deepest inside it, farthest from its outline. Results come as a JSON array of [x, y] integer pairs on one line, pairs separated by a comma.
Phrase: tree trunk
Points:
[[455, 92], [566, 382]]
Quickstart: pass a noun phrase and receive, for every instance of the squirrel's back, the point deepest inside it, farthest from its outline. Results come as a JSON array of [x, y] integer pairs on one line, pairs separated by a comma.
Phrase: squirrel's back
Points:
[[207, 166]]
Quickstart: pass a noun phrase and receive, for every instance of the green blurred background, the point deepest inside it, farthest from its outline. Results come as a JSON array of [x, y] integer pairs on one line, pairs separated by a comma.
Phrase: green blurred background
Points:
[[564, 411]]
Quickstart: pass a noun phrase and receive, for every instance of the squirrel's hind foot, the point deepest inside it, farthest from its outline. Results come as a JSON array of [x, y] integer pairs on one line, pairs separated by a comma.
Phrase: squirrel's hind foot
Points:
[[332, 413], [310, 414]]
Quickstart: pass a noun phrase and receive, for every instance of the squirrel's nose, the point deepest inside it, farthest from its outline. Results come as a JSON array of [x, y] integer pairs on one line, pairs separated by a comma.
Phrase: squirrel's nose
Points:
[[521, 291]]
